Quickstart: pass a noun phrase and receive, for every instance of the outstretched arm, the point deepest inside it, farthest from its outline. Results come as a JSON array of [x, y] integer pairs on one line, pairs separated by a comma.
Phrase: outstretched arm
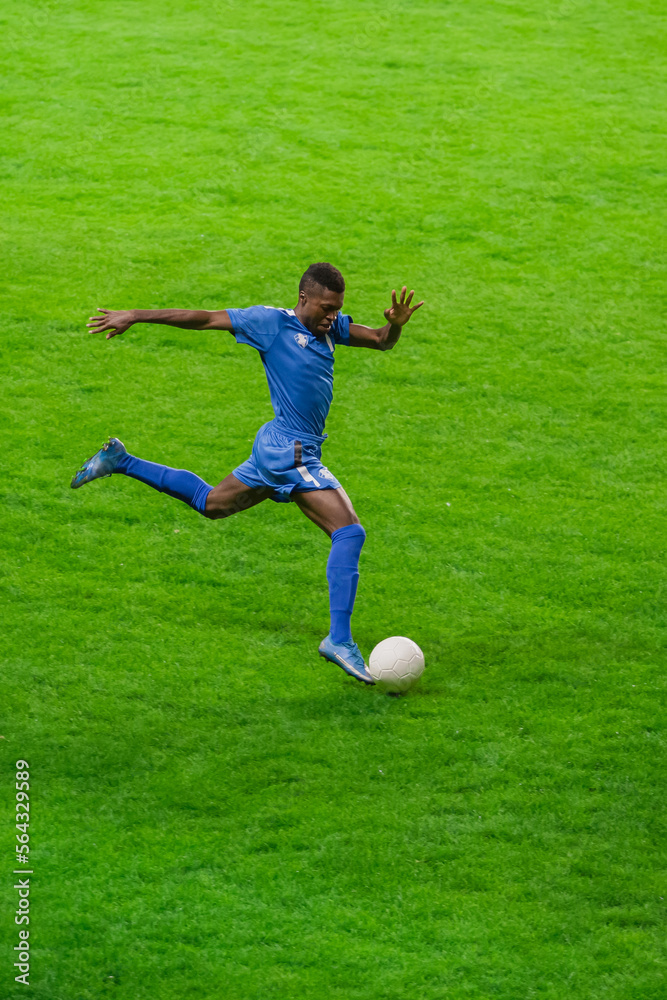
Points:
[[117, 321], [384, 338]]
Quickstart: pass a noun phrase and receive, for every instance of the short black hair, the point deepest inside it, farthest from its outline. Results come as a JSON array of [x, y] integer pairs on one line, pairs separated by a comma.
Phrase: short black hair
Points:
[[325, 275]]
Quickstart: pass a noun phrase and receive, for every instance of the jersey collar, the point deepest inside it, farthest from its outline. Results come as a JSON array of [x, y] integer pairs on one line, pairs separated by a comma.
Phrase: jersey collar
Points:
[[326, 339]]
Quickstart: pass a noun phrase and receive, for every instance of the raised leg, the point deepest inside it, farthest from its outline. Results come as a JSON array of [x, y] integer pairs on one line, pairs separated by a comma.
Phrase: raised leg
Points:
[[231, 496]]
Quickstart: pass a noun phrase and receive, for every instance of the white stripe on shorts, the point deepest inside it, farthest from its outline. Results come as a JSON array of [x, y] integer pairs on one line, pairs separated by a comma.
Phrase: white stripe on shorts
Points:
[[306, 476]]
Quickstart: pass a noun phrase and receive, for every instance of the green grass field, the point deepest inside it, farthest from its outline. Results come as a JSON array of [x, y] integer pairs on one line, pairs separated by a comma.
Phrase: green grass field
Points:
[[216, 813]]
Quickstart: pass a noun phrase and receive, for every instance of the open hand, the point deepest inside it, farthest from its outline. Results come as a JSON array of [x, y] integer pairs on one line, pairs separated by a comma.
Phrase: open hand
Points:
[[400, 311], [115, 321]]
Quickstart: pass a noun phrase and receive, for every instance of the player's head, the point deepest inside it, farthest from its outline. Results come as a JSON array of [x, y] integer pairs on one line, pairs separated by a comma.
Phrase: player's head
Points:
[[321, 294]]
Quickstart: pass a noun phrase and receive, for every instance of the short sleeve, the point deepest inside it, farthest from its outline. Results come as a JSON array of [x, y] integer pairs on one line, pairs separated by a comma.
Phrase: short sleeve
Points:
[[341, 329], [257, 326]]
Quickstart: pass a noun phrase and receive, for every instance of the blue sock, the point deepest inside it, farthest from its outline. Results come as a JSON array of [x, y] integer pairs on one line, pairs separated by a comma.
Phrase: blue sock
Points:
[[177, 483], [343, 577]]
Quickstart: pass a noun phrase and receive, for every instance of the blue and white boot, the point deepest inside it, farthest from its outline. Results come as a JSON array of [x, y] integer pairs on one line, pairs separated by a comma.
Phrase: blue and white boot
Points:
[[101, 464], [347, 656]]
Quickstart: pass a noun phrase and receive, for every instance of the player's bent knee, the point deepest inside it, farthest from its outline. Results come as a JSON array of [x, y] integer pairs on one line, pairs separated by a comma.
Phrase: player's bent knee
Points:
[[223, 502], [352, 519], [214, 515], [217, 507], [225, 508], [355, 530]]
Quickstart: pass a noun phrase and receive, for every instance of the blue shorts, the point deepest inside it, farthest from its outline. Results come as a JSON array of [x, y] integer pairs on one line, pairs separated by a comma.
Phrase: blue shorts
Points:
[[287, 462]]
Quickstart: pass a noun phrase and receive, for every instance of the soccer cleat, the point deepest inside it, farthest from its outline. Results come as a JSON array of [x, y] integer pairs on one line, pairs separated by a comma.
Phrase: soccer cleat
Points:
[[101, 464], [347, 656]]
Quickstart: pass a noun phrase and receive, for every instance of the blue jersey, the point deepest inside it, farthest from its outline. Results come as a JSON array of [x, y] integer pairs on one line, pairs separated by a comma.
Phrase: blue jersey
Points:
[[298, 365]]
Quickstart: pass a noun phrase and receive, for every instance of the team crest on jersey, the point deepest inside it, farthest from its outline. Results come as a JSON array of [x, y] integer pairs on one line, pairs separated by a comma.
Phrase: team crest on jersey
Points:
[[325, 474], [301, 339]]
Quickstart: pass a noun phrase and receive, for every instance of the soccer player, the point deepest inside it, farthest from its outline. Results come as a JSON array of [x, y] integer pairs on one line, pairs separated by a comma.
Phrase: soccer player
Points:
[[297, 350]]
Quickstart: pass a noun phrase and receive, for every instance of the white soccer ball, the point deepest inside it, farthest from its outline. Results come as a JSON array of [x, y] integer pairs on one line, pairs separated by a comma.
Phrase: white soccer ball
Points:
[[396, 663]]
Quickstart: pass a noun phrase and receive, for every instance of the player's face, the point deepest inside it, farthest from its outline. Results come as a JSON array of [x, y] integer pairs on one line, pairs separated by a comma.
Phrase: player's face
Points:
[[319, 308]]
